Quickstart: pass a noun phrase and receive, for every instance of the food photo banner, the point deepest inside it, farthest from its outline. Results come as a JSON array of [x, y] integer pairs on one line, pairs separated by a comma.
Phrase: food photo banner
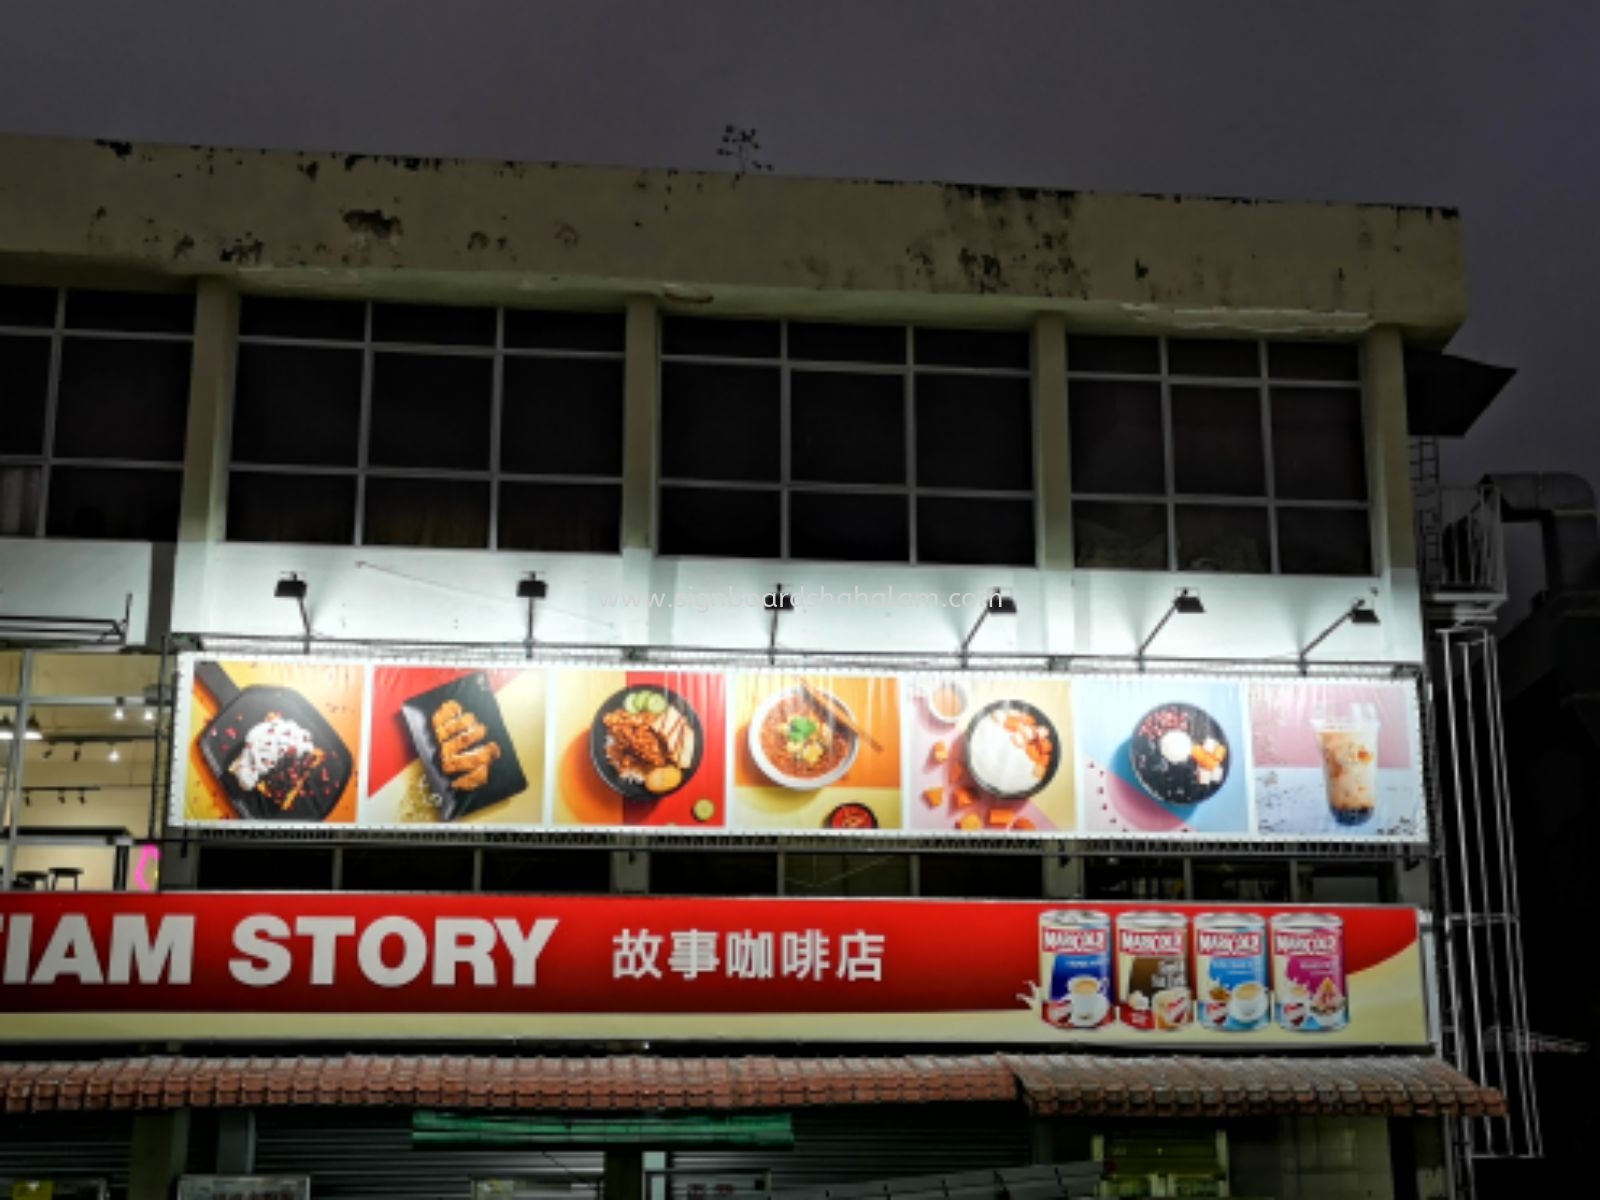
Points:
[[394, 745], [311, 965]]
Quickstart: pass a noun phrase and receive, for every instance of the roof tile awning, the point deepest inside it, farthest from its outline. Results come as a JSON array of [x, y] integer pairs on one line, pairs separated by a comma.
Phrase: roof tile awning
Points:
[[1067, 1084], [622, 1083], [1162, 1086]]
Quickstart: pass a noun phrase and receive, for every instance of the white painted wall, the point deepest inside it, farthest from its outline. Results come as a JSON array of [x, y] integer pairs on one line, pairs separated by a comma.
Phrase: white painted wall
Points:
[[459, 596], [65, 578]]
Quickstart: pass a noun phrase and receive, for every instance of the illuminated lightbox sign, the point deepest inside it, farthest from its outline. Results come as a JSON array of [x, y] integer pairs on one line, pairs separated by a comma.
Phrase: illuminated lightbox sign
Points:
[[340, 965], [298, 741]]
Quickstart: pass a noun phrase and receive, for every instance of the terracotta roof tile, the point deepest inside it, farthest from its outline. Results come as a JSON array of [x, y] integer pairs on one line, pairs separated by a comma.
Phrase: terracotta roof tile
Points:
[[1199, 1086], [1132, 1085]]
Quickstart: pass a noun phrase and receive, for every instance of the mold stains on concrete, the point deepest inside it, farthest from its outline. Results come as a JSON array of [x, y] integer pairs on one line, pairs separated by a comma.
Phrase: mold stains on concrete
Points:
[[986, 195], [350, 161], [478, 241], [372, 224], [310, 169], [567, 234], [983, 271], [920, 253], [817, 267], [1139, 269], [120, 149], [243, 252], [182, 246]]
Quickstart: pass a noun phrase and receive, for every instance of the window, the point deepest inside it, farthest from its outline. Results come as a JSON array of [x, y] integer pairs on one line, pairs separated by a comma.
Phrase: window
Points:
[[1262, 882], [425, 425], [542, 872], [405, 869], [94, 387], [846, 874], [979, 876], [1117, 878], [713, 873], [266, 868], [1196, 454], [859, 443], [1348, 883]]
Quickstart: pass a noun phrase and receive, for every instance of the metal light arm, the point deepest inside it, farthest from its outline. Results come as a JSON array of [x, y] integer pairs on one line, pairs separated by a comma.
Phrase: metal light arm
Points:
[[1357, 612]]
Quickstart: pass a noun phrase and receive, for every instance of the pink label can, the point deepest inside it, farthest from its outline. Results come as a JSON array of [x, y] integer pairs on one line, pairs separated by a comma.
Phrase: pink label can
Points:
[[1308, 981]]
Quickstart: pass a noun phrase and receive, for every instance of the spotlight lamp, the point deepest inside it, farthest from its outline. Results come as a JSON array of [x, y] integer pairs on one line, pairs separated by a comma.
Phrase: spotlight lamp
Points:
[[292, 587], [1185, 604], [997, 605], [1359, 613], [532, 589], [777, 602]]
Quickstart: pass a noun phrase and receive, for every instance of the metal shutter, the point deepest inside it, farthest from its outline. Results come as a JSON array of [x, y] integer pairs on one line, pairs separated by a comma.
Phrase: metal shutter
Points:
[[366, 1154], [80, 1145], [867, 1142]]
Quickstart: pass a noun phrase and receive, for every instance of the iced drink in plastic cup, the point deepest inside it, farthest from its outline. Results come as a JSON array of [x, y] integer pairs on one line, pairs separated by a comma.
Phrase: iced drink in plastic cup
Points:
[[1349, 749]]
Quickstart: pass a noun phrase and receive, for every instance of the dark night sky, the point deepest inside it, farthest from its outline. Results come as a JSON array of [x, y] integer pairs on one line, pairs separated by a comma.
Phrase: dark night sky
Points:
[[1485, 105]]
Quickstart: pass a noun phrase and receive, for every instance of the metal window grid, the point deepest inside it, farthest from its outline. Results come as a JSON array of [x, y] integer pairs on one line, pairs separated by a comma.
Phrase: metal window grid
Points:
[[57, 333], [1171, 499], [908, 369], [369, 347]]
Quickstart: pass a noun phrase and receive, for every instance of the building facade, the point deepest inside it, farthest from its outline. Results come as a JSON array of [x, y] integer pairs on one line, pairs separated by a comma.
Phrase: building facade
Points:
[[661, 459]]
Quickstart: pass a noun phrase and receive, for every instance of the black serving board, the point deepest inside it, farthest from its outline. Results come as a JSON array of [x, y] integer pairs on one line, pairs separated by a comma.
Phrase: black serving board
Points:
[[241, 710], [474, 695]]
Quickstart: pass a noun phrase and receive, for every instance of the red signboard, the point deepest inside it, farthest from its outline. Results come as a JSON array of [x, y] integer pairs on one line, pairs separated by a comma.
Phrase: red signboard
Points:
[[305, 965]]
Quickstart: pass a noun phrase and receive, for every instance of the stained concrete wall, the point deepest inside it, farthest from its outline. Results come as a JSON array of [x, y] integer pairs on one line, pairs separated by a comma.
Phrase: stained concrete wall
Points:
[[487, 230]]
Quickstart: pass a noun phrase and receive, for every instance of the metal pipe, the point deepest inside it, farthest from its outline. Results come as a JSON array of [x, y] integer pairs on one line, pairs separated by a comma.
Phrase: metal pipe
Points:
[[16, 760], [1462, 1016], [155, 826], [1513, 907], [932, 659], [1439, 883], [1475, 774], [1469, 896]]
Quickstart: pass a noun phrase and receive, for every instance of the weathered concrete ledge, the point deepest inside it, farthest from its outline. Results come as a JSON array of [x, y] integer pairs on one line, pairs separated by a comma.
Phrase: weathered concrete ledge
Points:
[[488, 231]]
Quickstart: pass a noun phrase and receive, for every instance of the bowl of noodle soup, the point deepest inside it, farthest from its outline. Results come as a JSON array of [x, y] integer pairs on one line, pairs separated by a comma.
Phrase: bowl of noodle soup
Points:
[[797, 743]]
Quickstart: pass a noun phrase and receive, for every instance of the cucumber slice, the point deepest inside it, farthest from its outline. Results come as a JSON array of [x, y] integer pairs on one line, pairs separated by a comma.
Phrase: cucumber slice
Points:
[[632, 702], [655, 702]]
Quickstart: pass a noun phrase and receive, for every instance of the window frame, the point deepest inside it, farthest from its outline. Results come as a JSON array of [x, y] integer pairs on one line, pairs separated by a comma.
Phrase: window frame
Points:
[[1262, 383], [497, 353], [46, 460], [786, 486]]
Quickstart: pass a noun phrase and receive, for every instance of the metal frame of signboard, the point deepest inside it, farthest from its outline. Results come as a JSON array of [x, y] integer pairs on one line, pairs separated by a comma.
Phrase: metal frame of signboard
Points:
[[369, 656], [214, 1187]]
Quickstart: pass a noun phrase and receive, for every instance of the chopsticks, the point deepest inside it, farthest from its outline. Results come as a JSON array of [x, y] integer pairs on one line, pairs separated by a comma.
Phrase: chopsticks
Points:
[[836, 711]]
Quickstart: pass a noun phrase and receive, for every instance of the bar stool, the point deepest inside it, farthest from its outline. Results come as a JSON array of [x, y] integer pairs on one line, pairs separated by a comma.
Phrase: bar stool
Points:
[[30, 881], [58, 876]]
